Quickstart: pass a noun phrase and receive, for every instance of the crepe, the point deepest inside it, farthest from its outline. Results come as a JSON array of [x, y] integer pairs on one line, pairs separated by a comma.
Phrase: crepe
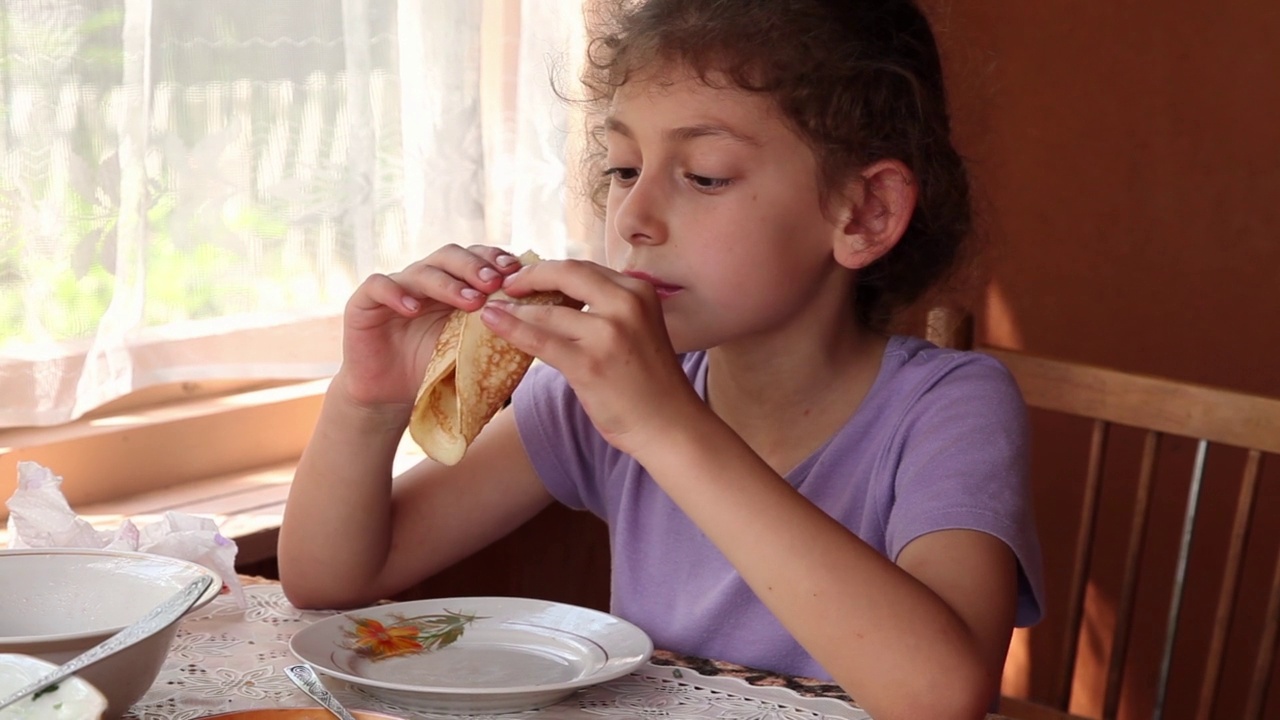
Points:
[[472, 373]]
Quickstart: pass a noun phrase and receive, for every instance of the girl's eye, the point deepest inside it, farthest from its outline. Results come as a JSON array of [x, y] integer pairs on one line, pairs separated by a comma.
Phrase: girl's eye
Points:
[[622, 174], [707, 183]]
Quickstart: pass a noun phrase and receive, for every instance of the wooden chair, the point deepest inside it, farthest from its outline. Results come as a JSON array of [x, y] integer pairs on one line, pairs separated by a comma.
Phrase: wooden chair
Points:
[[948, 326], [1157, 408]]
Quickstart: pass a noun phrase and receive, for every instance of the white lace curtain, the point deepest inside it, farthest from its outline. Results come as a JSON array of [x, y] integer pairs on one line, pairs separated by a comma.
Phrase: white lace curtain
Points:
[[190, 189]]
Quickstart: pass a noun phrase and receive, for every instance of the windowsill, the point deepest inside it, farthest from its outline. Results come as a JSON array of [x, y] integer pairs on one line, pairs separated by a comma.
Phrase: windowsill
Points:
[[228, 457], [247, 507], [141, 450], [159, 359]]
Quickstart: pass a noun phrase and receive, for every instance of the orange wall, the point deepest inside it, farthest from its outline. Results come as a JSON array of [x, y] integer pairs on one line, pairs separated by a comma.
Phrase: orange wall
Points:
[[1127, 158]]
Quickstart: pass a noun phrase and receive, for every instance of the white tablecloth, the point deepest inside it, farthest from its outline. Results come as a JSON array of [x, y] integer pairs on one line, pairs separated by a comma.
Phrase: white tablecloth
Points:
[[227, 658]]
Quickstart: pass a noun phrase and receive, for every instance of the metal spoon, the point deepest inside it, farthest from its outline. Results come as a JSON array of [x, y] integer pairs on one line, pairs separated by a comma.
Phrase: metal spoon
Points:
[[158, 619], [304, 677]]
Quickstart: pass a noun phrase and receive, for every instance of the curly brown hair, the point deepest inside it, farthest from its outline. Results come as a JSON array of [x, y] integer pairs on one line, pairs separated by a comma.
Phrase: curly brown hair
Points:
[[859, 80]]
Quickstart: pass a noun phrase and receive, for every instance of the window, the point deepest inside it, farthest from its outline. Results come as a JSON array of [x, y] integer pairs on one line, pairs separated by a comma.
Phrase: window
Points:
[[189, 190]]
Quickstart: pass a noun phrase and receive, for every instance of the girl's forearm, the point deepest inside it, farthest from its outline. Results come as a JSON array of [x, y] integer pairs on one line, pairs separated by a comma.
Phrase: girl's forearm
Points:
[[336, 521], [885, 636]]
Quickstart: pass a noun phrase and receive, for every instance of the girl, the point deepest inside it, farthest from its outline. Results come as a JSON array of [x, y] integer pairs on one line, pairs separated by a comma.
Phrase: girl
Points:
[[786, 486]]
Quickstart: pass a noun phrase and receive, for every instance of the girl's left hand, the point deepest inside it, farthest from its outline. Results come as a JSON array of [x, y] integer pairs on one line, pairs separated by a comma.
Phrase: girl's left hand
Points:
[[615, 354]]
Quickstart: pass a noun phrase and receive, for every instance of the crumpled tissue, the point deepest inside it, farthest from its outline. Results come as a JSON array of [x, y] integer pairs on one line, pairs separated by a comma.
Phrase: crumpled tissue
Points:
[[40, 517]]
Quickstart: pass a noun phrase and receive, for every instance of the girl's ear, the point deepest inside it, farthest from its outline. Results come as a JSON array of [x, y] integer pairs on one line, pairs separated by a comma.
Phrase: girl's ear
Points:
[[874, 213]]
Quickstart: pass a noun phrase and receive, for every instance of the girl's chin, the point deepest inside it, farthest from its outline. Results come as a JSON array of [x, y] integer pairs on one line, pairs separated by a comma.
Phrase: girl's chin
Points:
[[684, 344], [680, 343], [686, 338]]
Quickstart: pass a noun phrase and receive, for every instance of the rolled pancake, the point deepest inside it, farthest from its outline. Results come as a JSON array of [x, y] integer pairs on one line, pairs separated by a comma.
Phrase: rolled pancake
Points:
[[472, 373]]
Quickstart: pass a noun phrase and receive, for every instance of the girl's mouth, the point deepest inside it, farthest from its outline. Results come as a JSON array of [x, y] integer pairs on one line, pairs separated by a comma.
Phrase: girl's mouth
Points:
[[663, 289]]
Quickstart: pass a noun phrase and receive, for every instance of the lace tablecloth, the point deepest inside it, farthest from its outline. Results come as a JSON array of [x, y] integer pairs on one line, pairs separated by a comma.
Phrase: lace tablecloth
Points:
[[227, 658]]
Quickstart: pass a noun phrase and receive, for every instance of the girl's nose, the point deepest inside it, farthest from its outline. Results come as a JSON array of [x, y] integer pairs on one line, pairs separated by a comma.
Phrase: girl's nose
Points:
[[639, 216]]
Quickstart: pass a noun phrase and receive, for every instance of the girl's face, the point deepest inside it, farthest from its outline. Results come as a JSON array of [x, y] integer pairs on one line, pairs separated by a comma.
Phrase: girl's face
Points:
[[715, 200]]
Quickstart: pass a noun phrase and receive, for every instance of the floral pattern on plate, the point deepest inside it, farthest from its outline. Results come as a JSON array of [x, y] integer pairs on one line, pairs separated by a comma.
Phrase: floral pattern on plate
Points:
[[372, 639]]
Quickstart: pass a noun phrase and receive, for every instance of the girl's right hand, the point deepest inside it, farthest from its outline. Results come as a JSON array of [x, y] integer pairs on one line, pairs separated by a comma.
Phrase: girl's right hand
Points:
[[392, 321]]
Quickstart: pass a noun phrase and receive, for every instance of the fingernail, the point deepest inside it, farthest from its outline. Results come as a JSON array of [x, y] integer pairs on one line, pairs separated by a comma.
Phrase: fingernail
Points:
[[502, 305], [410, 304], [492, 311], [505, 260], [506, 282], [488, 274], [471, 293]]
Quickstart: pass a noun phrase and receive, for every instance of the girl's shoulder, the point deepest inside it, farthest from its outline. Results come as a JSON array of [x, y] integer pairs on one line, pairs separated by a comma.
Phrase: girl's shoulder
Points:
[[913, 360], [916, 375]]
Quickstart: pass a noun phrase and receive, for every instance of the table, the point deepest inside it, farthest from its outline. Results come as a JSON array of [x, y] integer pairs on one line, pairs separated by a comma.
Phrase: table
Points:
[[228, 658]]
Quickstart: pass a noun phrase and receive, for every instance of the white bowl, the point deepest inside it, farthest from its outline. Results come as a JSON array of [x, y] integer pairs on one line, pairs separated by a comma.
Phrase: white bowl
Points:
[[58, 603], [71, 699]]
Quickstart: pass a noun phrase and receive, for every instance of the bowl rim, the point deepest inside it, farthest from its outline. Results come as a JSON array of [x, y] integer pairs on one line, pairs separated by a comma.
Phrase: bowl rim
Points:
[[6, 641], [100, 701]]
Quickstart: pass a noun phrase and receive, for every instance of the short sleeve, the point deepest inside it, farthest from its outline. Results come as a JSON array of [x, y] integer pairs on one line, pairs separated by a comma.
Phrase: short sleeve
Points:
[[558, 437], [963, 464]]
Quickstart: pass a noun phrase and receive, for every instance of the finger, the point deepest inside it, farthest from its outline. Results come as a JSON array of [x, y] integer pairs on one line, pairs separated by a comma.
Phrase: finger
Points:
[[453, 275], [540, 330], [595, 285], [423, 282], [379, 291], [476, 265], [503, 261]]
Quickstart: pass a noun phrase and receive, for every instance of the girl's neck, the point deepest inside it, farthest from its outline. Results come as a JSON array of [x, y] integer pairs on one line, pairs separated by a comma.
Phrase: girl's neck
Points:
[[785, 402]]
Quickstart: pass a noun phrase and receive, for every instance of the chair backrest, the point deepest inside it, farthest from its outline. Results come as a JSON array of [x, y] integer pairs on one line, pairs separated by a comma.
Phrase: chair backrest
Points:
[[949, 326], [1158, 407]]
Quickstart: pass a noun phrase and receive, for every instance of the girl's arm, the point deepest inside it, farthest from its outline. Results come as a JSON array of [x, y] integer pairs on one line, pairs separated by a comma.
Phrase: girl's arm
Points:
[[924, 638], [350, 534]]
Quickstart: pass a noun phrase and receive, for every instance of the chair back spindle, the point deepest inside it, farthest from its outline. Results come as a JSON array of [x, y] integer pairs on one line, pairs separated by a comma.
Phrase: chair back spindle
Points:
[[1159, 408], [1232, 570], [1129, 584], [1080, 567], [1266, 651]]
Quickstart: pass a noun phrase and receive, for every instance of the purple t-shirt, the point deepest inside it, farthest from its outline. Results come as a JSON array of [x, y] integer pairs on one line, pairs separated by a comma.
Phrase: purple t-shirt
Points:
[[940, 442]]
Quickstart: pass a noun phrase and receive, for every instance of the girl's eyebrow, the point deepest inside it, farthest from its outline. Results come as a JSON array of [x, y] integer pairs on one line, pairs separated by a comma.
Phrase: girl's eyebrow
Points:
[[687, 132]]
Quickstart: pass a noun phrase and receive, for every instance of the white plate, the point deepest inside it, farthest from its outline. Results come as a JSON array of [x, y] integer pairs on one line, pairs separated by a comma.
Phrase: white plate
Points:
[[473, 654]]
